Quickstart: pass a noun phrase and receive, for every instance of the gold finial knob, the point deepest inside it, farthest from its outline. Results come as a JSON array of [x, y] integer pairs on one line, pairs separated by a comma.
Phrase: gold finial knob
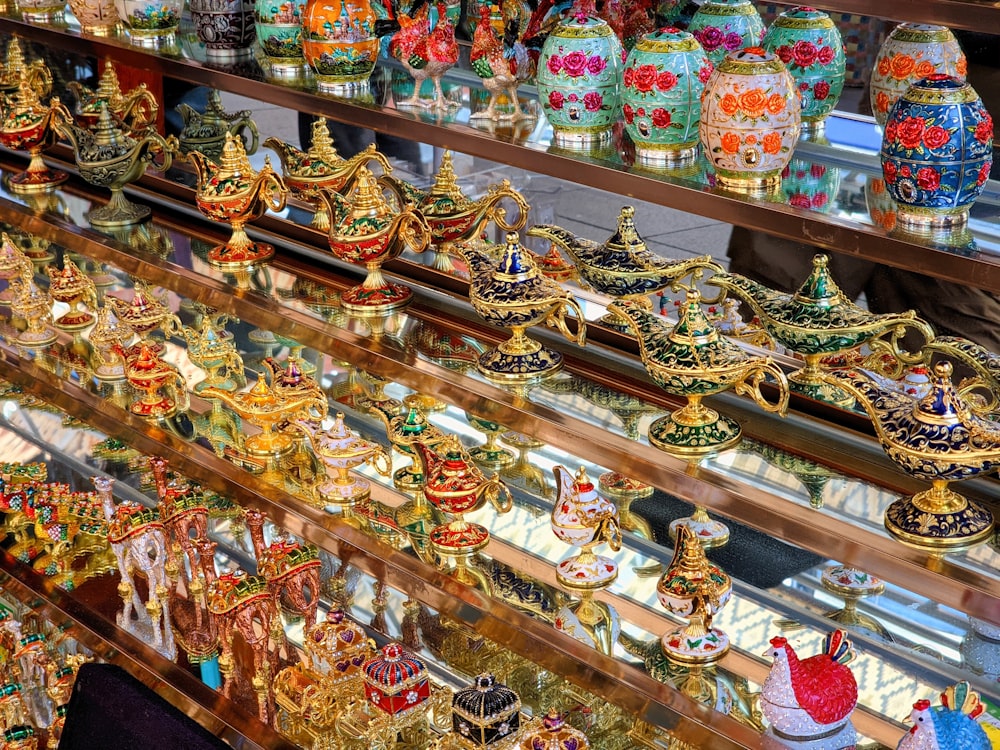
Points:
[[105, 132], [234, 161], [322, 146], [446, 183], [367, 197]]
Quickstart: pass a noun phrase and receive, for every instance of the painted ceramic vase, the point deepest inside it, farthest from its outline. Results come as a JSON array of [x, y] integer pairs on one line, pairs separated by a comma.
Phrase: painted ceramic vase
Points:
[[40, 11], [750, 120], [225, 27], [912, 51], [578, 80], [724, 26], [339, 43], [98, 17], [808, 43], [664, 77], [150, 24], [937, 150], [279, 31]]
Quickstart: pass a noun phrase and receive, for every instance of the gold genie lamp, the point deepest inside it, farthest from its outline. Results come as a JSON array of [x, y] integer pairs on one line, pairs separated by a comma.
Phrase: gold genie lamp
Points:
[[211, 349], [404, 431], [206, 131], [816, 321], [14, 65], [514, 294], [34, 307], [108, 157], [232, 192], [694, 360], [366, 231], [341, 450], [74, 288], [623, 267], [135, 110], [148, 374], [12, 259], [454, 217], [322, 167], [940, 438], [28, 125]]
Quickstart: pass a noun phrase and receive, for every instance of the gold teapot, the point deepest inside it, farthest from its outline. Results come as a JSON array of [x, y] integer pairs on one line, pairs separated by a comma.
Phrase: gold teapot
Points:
[[341, 450], [12, 259], [322, 167], [232, 192], [72, 287], [816, 321], [514, 294], [205, 132], [34, 307], [135, 110], [31, 126], [14, 65], [623, 267], [692, 359], [938, 437], [365, 230], [108, 157]]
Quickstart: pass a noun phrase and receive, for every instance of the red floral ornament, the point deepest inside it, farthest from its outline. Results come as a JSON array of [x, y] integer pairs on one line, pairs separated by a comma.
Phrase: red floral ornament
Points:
[[575, 64], [661, 118], [821, 91], [825, 55], [556, 100], [804, 53], [593, 101], [935, 136], [666, 80], [645, 78], [889, 172], [928, 178], [984, 130], [629, 113], [910, 132]]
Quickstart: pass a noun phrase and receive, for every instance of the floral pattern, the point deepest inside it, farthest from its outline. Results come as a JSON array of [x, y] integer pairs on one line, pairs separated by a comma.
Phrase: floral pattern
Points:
[[724, 26]]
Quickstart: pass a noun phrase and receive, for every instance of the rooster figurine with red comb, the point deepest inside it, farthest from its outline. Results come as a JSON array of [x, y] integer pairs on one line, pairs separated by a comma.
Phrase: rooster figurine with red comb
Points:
[[806, 699], [950, 726]]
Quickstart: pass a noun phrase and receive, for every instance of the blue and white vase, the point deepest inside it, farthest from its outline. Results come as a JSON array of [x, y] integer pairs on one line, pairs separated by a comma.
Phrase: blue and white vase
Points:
[[937, 150]]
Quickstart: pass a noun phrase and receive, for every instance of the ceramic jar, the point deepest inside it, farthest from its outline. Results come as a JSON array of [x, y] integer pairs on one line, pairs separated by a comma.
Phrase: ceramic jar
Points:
[[912, 51], [40, 11], [98, 17], [750, 120], [808, 43], [937, 151], [578, 79], [339, 43], [279, 31], [150, 24], [724, 26], [225, 27], [664, 77]]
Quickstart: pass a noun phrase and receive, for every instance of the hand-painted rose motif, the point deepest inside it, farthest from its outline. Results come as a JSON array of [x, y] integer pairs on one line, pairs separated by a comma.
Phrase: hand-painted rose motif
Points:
[[733, 41], [705, 73], [710, 38], [629, 113], [752, 103], [984, 173], [799, 200], [554, 64], [935, 136], [910, 132], [804, 53], [928, 178], [821, 90], [556, 99], [661, 118], [666, 80], [984, 130], [771, 143], [729, 105], [596, 65], [901, 66], [882, 101], [924, 68], [730, 143], [575, 64], [593, 101], [889, 172], [825, 55], [645, 78], [776, 104], [784, 53], [817, 171], [628, 78]]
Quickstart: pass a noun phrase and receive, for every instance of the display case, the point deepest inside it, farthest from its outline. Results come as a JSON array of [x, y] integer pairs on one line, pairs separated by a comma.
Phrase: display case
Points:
[[803, 494]]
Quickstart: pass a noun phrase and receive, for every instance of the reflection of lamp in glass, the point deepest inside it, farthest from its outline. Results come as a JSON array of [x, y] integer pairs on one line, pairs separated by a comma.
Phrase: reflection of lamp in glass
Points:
[[489, 455], [623, 491], [522, 468], [853, 584]]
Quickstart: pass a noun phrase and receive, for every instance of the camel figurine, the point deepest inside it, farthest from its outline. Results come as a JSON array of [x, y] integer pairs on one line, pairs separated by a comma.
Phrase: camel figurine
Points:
[[291, 569], [241, 603], [184, 514], [139, 540]]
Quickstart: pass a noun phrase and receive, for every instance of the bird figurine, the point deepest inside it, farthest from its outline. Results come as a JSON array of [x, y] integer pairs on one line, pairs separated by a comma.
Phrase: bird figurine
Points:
[[424, 52], [951, 726], [804, 699], [501, 63]]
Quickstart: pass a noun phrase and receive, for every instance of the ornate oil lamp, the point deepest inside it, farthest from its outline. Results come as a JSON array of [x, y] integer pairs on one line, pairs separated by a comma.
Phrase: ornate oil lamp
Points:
[[73, 288], [365, 231], [489, 455], [142, 315], [12, 260], [205, 132], [623, 267], [514, 294], [28, 125], [232, 192], [404, 431], [340, 450], [147, 373], [34, 307], [816, 321], [135, 110], [322, 167], [108, 157], [584, 519], [456, 486], [454, 217], [15, 65], [210, 349], [940, 438], [623, 491], [694, 360]]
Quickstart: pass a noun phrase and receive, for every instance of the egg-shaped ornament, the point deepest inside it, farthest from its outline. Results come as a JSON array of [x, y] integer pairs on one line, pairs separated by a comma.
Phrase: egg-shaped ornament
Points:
[[809, 44], [578, 78], [724, 26], [665, 75], [339, 43], [750, 120], [912, 51], [937, 151], [279, 31]]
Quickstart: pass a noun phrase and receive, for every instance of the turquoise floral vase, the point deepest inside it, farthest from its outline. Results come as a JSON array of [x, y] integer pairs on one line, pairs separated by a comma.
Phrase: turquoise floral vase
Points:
[[810, 185], [279, 33], [937, 150], [808, 43], [578, 81], [664, 77], [724, 26]]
